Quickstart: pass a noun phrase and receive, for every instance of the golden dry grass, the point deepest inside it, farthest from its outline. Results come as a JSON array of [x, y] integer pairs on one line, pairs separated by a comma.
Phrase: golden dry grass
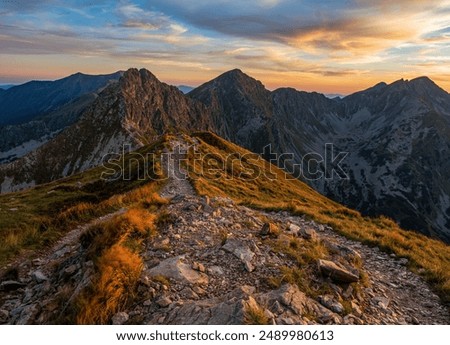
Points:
[[118, 272], [114, 247], [278, 191]]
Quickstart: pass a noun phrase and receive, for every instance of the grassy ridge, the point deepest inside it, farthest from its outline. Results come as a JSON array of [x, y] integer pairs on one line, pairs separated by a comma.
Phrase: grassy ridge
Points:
[[220, 175], [35, 218]]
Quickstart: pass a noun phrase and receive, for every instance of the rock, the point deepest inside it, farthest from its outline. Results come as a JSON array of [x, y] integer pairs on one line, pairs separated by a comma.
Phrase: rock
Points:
[[198, 290], [216, 270], [164, 302], [198, 267], [71, 270], [308, 233], [336, 272], [120, 318], [240, 250], [294, 229], [11, 285], [356, 309], [60, 253], [329, 302], [176, 269], [38, 277], [383, 302], [187, 293], [269, 229], [249, 267], [403, 261], [27, 314], [4, 315]]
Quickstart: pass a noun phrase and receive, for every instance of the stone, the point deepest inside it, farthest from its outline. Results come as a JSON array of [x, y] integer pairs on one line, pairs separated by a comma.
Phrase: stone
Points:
[[164, 302], [329, 302], [403, 261], [187, 293], [308, 233], [11, 285], [38, 277], [249, 267], [175, 268], [4, 315], [216, 270], [356, 309], [120, 318], [198, 267], [336, 272], [71, 270], [239, 249], [293, 229], [269, 229], [198, 290], [383, 302]]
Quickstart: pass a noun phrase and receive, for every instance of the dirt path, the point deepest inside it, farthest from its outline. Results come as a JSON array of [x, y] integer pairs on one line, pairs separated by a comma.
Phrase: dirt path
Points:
[[178, 183]]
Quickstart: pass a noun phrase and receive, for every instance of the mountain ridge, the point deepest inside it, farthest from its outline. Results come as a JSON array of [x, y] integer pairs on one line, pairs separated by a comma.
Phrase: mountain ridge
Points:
[[388, 130]]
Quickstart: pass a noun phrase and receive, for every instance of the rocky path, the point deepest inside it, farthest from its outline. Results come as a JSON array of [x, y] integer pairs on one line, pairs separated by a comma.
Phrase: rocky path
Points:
[[178, 183]]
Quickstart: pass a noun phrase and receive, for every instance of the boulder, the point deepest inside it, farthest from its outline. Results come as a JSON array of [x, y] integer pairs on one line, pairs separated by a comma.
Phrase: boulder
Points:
[[175, 268], [120, 318], [337, 272]]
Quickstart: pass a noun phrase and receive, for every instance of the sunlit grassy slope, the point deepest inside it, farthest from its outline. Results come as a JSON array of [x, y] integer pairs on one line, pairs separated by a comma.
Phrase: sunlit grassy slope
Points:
[[215, 174], [35, 218]]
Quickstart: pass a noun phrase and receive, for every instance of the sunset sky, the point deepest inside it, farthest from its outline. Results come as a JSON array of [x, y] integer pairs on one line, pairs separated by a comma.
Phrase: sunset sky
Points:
[[327, 46]]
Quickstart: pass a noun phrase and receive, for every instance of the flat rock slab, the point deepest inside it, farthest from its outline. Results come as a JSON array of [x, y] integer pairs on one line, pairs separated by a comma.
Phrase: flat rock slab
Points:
[[337, 272], [239, 249], [175, 268]]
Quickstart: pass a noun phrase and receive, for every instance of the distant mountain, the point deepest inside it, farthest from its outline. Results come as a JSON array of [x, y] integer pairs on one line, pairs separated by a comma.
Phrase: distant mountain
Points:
[[397, 138], [51, 115], [6, 86], [36, 98], [333, 95], [185, 89], [130, 113], [240, 107]]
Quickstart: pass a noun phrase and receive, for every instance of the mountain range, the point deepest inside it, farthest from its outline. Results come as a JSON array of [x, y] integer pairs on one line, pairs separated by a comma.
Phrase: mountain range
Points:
[[396, 136]]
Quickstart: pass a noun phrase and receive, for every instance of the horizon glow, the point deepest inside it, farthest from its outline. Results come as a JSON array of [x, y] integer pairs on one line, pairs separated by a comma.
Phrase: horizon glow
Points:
[[326, 46]]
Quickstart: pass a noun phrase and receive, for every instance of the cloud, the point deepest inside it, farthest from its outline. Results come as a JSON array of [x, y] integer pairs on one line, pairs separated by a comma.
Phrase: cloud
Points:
[[357, 27]]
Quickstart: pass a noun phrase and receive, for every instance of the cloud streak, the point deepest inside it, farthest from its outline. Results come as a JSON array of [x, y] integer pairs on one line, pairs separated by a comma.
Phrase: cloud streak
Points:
[[315, 45]]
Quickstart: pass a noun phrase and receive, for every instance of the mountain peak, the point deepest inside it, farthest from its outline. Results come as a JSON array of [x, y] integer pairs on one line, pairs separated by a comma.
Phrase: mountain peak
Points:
[[424, 81]]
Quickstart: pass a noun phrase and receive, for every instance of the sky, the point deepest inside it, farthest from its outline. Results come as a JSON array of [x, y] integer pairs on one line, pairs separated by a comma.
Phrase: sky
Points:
[[326, 46]]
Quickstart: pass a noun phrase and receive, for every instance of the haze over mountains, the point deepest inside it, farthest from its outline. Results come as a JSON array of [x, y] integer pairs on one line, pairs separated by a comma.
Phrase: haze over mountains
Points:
[[397, 136]]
